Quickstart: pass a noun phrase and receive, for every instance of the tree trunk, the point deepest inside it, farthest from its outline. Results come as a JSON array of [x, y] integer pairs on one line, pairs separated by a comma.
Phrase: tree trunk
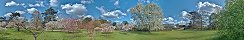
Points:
[[34, 35], [18, 28], [149, 30]]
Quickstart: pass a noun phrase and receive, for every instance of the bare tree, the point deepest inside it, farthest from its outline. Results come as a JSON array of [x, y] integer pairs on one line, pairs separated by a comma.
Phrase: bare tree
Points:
[[36, 25], [89, 26], [107, 28], [71, 25], [127, 27], [3, 22], [53, 25]]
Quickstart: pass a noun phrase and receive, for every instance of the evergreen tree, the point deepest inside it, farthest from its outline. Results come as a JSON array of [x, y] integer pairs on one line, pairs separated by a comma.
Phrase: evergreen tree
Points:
[[49, 15]]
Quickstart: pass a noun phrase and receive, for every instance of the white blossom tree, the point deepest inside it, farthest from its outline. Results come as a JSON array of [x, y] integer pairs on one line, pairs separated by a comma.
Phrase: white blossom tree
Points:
[[148, 17]]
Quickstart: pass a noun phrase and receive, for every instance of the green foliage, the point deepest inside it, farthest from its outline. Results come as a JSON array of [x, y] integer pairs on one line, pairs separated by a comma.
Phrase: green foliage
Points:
[[148, 17], [86, 20], [114, 24], [49, 15], [125, 22], [231, 22]]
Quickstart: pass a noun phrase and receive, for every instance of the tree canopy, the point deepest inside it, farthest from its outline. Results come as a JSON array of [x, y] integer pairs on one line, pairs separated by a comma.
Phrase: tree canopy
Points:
[[148, 17], [231, 21]]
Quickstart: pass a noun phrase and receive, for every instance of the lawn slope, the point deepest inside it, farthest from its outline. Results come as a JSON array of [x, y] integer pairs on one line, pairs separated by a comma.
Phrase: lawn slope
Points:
[[117, 35]]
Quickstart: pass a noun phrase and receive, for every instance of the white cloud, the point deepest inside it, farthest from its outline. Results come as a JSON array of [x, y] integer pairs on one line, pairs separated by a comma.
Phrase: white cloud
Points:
[[41, 4], [201, 4], [131, 19], [53, 2], [148, 1], [31, 10], [86, 1], [101, 9], [169, 20], [115, 13], [182, 23], [116, 3], [128, 10], [21, 12], [186, 15], [89, 16], [78, 9], [208, 8], [21, 18], [34, 5], [144, 1], [111, 14], [116, 21], [12, 3], [8, 14], [205, 9]]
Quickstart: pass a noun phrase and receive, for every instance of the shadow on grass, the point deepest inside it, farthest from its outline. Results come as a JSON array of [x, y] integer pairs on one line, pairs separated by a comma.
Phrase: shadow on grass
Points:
[[106, 34], [221, 38], [142, 33], [124, 33], [4, 34], [6, 38], [192, 37]]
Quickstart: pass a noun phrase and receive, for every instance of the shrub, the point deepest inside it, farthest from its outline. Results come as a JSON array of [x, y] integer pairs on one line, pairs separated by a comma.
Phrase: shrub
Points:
[[231, 22]]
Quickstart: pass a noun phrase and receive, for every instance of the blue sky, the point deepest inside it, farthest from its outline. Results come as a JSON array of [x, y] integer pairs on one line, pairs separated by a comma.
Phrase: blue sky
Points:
[[170, 8]]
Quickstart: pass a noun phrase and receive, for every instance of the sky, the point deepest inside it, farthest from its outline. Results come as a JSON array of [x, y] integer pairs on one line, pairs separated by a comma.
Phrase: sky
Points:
[[113, 10]]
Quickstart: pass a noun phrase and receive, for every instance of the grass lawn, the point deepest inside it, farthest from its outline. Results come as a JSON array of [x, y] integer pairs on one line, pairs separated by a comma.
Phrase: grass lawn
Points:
[[163, 35]]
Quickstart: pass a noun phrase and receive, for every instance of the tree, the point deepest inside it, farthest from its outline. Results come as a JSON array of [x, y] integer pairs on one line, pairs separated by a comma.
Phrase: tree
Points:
[[71, 25], [230, 22], [36, 25], [125, 22], [49, 15], [127, 27], [53, 25], [89, 26], [114, 24], [3, 22], [148, 17], [213, 21], [97, 23], [196, 19], [15, 21]]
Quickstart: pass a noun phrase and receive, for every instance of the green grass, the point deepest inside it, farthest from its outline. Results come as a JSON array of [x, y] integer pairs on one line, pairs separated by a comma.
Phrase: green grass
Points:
[[117, 35]]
